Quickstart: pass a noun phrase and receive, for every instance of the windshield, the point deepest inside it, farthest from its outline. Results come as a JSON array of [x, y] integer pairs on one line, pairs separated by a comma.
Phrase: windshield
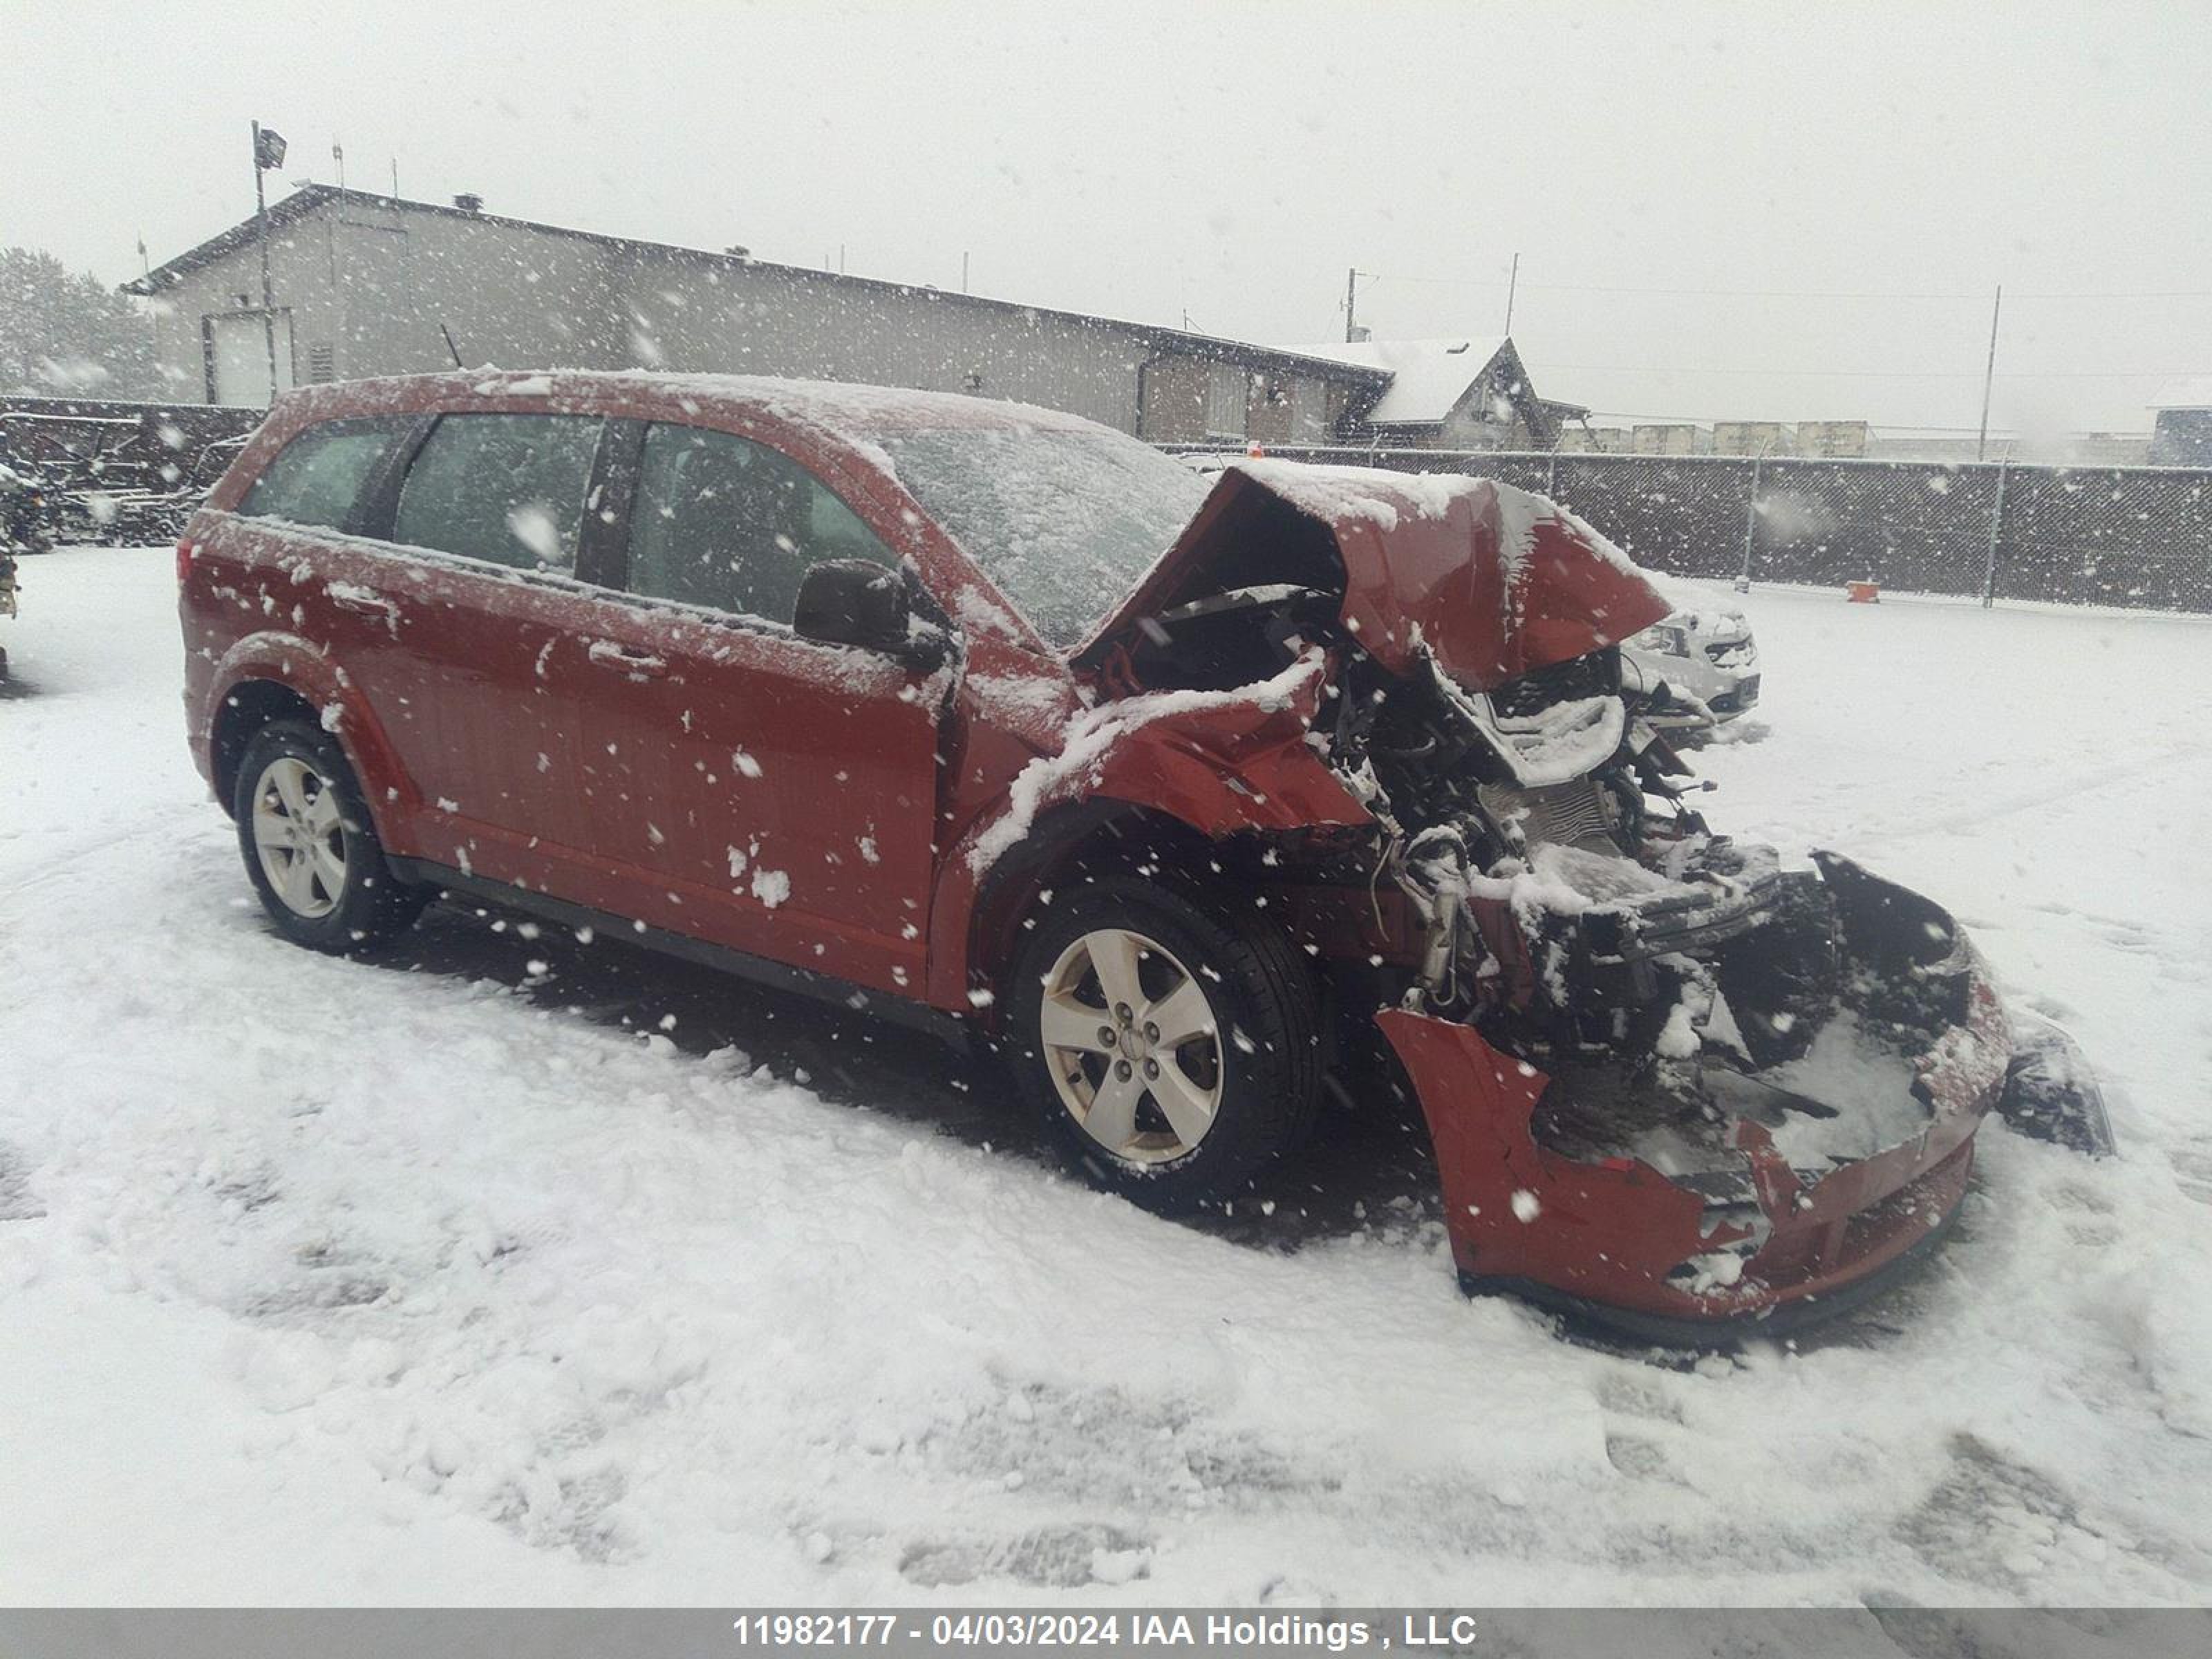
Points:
[[1065, 522]]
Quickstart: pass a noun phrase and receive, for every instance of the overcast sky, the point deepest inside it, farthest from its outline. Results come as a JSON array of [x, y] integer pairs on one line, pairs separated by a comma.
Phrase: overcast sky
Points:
[[1678, 181]]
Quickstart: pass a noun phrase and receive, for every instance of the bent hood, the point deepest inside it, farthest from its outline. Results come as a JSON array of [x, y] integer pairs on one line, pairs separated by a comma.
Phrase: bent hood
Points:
[[1494, 580]]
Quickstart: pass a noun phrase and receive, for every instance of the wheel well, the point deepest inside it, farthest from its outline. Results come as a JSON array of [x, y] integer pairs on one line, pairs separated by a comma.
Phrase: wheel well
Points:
[[250, 705], [1081, 843]]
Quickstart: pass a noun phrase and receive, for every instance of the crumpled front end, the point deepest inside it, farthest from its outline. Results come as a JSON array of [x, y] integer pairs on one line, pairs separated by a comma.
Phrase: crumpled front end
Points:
[[1711, 1189], [1671, 1082]]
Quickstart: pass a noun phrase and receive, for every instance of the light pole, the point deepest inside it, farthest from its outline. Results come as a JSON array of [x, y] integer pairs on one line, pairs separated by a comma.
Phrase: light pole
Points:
[[1352, 300], [268, 152], [1990, 376]]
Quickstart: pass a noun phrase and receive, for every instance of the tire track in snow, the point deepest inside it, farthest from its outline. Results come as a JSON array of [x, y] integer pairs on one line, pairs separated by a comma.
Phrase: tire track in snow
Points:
[[162, 825], [2075, 785]]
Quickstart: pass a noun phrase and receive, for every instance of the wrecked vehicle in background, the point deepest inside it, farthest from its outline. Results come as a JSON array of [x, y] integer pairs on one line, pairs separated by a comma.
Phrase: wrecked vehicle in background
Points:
[[1695, 668], [895, 696]]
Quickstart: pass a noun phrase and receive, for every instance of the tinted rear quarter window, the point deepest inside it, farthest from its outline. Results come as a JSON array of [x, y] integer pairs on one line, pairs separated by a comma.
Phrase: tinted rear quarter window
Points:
[[507, 489], [317, 478]]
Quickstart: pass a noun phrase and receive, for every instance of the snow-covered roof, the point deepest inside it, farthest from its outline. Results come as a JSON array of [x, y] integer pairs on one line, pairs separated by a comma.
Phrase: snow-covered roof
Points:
[[2195, 394], [308, 199], [1427, 377]]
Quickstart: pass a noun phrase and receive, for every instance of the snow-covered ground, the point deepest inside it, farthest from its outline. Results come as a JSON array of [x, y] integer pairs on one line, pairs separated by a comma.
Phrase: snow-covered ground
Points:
[[455, 1278]]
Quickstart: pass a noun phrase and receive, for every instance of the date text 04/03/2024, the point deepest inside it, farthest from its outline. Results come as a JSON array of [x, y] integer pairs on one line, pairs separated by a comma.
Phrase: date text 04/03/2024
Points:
[[1040, 1629]]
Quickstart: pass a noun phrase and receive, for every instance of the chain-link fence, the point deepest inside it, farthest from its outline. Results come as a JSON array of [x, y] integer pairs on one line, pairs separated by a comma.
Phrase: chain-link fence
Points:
[[2135, 537]]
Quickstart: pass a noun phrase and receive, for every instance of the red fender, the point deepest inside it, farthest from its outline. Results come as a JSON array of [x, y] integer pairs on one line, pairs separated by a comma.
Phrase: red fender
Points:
[[299, 664], [1219, 764]]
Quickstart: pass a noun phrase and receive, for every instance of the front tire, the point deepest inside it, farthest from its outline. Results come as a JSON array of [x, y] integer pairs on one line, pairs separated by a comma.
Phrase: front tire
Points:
[[1170, 1050], [310, 848]]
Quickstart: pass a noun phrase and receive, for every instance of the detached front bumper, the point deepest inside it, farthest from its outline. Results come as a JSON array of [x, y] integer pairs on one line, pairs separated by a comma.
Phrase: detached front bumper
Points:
[[1692, 1259]]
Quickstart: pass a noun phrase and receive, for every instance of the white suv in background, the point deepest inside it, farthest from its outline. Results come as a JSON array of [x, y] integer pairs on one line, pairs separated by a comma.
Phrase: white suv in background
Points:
[[1704, 653]]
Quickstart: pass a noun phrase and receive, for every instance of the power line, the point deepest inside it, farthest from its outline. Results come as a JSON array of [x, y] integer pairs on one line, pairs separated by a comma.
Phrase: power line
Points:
[[1888, 430], [1679, 293], [1883, 373], [1787, 293]]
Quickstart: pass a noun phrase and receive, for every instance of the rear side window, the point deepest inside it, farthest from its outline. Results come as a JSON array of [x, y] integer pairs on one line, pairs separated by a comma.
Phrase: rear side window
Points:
[[317, 478], [508, 488], [731, 524]]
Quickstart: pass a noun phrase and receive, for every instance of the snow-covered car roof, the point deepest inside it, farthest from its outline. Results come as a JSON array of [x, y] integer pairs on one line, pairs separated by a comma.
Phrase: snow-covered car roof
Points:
[[830, 405]]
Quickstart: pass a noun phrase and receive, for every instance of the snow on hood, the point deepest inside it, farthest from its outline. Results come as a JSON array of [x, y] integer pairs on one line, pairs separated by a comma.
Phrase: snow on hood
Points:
[[1493, 580]]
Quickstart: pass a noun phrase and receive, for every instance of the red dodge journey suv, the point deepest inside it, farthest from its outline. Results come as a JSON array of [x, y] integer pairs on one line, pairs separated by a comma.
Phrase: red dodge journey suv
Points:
[[1182, 792]]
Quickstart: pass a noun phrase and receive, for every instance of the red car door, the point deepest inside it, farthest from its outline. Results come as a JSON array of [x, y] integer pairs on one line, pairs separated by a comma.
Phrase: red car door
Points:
[[744, 786], [474, 613]]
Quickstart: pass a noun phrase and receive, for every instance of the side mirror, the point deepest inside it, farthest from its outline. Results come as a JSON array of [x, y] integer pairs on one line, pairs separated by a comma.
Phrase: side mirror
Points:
[[856, 602]]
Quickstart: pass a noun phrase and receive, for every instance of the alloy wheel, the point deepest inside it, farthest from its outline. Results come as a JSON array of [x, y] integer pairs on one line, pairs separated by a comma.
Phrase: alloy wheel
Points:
[[299, 838], [1133, 1046]]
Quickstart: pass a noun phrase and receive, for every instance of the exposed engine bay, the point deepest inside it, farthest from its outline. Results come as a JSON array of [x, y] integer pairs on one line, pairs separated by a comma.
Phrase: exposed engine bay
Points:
[[1583, 916], [1747, 1084]]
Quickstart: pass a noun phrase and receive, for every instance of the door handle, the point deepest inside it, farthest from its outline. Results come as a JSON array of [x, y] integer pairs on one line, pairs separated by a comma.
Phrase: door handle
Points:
[[619, 659], [365, 602], [361, 601]]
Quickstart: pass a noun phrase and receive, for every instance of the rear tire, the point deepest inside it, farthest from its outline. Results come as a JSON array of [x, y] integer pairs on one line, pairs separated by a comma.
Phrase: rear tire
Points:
[[1170, 1050], [310, 848]]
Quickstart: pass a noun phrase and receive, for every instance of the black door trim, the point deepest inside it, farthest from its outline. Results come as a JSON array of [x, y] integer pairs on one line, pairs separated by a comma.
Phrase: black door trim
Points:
[[380, 503], [602, 548]]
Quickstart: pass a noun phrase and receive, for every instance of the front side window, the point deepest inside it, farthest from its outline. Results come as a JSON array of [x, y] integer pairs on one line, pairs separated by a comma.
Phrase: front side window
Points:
[[729, 525], [318, 478], [507, 489]]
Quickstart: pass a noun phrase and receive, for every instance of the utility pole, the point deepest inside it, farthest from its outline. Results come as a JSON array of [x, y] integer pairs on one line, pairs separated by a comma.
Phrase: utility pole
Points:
[[1989, 377], [153, 314], [1751, 519], [1512, 286], [1351, 299], [963, 270], [268, 152], [1996, 533]]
